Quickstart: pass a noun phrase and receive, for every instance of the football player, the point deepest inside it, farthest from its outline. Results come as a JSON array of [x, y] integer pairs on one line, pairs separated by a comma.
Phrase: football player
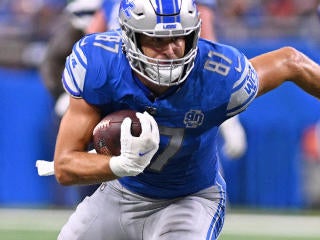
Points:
[[165, 184], [232, 131]]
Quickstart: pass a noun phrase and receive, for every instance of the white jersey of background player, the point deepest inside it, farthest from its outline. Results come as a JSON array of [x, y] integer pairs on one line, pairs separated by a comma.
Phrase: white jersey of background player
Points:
[[181, 194]]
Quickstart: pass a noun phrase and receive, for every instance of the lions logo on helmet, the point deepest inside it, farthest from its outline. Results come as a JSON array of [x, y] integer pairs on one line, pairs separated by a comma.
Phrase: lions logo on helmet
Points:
[[160, 18], [125, 7]]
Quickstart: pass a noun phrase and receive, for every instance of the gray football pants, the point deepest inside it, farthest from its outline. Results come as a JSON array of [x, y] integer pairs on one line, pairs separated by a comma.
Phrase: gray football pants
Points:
[[114, 213]]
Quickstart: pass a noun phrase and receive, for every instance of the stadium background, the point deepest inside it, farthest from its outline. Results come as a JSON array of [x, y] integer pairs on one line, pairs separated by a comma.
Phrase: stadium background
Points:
[[269, 176]]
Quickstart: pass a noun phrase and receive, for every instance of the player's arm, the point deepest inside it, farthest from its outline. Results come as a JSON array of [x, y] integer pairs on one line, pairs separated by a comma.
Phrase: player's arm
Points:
[[287, 64], [73, 165], [208, 19]]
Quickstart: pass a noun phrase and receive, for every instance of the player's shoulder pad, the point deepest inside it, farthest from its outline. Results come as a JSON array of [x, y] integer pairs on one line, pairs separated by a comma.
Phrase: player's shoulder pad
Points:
[[231, 66], [245, 83], [88, 55]]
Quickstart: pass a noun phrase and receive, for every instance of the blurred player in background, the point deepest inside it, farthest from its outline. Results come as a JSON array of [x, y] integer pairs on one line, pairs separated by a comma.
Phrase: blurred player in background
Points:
[[311, 153], [105, 18], [311, 165], [70, 27], [168, 186]]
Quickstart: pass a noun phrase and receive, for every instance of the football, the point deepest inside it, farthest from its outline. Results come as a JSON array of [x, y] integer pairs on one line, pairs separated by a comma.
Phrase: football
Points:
[[106, 135]]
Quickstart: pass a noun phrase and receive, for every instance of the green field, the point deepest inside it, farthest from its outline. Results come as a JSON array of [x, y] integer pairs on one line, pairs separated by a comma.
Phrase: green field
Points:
[[27, 224]]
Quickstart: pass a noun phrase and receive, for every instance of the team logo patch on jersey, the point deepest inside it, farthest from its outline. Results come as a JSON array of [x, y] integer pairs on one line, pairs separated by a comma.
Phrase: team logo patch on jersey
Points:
[[193, 118]]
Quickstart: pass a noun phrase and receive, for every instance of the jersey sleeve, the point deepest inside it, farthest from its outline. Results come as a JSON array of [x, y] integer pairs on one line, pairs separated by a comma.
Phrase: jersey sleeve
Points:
[[245, 88], [75, 70], [235, 80], [92, 69]]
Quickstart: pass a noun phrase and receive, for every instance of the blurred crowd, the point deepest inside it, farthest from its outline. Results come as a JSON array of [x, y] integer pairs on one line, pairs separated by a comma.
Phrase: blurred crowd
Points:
[[25, 25], [28, 18], [246, 19]]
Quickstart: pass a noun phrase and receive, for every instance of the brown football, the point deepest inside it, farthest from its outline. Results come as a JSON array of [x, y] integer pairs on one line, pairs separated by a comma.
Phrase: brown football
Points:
[[106, 135]]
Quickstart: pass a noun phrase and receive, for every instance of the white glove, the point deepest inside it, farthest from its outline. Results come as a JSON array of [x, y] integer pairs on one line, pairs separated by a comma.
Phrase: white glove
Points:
[[235, 140], [136, 152]]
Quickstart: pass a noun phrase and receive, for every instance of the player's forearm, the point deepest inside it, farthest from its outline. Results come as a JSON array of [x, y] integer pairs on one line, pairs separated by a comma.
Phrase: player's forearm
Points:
[[82, 168], [207, 27], [293, 66]]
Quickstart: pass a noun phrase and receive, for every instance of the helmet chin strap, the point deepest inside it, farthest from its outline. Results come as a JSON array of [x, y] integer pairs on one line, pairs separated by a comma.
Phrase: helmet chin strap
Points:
[[165, 75]]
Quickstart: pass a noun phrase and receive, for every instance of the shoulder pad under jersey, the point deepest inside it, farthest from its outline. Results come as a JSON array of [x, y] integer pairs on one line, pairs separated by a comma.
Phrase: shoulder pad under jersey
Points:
[[89, 55], [237, 78]]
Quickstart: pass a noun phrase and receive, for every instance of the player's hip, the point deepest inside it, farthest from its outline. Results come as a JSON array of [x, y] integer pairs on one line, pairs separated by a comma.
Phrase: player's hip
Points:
[[214, 194], [199, 215]]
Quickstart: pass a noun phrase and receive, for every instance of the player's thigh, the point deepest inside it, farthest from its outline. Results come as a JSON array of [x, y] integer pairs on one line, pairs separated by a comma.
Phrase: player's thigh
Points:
[[96, 217], [191, 218]]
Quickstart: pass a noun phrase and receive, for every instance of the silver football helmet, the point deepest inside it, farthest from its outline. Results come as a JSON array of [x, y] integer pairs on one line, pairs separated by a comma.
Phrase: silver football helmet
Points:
[[160, 18]]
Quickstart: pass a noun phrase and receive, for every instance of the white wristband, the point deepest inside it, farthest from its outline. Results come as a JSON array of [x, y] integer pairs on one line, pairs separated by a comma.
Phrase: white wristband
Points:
[[122, 166]]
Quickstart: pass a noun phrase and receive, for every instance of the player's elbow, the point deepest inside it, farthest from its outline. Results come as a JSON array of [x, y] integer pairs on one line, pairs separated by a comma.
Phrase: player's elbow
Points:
[[61, 173], [294, 62]]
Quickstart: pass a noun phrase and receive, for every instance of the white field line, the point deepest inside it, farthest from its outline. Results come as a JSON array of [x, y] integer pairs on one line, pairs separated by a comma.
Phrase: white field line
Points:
[[235, 223], [272, 225]]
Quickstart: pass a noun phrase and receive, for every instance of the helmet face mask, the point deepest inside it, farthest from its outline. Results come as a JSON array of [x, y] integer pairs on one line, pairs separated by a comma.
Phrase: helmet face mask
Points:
[[160, 18]]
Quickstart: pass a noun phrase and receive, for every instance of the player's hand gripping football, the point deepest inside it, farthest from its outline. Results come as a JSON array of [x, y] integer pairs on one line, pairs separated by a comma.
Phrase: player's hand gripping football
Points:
[[136, 152]]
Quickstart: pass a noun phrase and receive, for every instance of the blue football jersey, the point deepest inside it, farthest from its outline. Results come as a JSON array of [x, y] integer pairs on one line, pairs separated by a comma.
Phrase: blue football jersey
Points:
[[221, 84]]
